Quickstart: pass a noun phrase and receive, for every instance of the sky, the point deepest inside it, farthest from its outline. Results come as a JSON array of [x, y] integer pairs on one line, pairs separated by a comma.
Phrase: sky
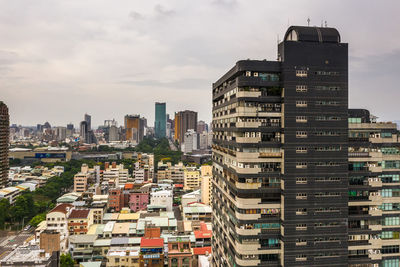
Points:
[[60, 59]]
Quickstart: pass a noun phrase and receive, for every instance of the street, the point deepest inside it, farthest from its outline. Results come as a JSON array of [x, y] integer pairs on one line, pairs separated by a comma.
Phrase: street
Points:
[[7, 243]]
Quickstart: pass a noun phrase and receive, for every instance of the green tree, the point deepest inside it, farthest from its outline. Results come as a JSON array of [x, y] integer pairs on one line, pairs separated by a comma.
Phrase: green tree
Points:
[[37, 219], [4, 212], [66, 260]]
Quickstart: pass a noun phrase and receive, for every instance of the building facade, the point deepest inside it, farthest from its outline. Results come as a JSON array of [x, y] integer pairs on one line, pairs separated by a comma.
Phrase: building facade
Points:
[[374, 191], [280, 127], [4, 140], [160, 123], [184, 120], [134, 128]]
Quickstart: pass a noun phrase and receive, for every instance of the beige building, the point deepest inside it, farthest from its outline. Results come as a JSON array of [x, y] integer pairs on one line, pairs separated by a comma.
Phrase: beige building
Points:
[[81, 182], [191, 178], [206, 177], [123, 256]]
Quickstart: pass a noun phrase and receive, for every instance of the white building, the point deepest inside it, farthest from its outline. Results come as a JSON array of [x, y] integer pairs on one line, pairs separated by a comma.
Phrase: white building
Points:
[[191, 197], [190, 141], [139, 176], [57, 220], [162, 198], [10, 193]]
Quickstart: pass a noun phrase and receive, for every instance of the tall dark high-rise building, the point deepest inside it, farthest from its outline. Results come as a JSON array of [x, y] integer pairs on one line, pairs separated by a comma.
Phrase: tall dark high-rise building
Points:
[[4, 140], [88, 120], [184, 121], [160, 123], [134, 128], [84, 131], [280, 180]]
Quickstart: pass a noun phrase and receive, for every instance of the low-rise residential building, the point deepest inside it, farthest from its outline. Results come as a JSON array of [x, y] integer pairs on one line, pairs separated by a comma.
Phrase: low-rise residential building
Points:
[[30, 255], [10, 193], [57, 220], [79, 221], [81, 247], [123, 256], [191, 197], [152, 252], [138, 201], [179, 252], [197, 212], [191, 178], [115, 200], [162, 198], [81, 182]]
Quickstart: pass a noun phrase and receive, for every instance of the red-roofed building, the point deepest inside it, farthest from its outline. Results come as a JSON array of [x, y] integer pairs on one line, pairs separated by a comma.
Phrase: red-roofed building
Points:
[[203, 236], [152, 252], [79, 221], [202, 251], [128, 186]]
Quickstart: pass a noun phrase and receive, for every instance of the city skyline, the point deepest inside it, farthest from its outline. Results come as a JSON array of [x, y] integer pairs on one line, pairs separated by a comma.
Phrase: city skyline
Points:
[[156, 60]]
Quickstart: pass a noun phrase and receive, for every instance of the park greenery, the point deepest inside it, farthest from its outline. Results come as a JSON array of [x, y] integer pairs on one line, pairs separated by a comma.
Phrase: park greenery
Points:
[[32, 206], [160, 148]]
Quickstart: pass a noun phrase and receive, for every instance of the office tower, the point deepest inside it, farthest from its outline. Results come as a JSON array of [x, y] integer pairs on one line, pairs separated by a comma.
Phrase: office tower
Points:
[[4, 140], [374, 191], [46, 125], [61, 133], [160, 122], [88, 120], [134, 128], [202, 126], [280, 182], [70, 129], [109, 123], [113, 134], [84, 131], [184, 120]]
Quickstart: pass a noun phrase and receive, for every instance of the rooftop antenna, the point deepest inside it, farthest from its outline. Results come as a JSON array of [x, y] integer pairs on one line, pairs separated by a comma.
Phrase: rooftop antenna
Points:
[[326, 24], [308, 21]]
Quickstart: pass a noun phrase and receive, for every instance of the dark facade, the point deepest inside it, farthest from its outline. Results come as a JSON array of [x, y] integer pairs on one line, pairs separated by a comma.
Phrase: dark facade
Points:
[[280, 188], [184, 120], [4, 140], [314, 74]]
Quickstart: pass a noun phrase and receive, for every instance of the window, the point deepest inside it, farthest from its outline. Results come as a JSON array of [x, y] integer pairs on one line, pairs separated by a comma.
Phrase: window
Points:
[[301, 88], [301, 196], [301, 73], [301, 180], [301, 257], [301, 165], [301, 103], [301, 134], [301, 226], [327, 73], [301, 150], [301, 211], [301, 119]]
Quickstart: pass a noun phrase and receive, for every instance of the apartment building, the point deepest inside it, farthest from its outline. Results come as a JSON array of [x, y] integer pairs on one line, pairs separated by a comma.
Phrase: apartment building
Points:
[[191, 177], [374, 191], [279, 127], [81, 182], [79, 221]]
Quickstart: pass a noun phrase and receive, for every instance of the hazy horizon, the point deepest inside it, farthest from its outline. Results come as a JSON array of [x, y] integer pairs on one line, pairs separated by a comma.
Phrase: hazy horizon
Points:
[[61, 59]]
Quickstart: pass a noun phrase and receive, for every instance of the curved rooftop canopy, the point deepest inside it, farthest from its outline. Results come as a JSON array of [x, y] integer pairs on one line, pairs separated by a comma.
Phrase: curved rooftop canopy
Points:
[[312, 34]]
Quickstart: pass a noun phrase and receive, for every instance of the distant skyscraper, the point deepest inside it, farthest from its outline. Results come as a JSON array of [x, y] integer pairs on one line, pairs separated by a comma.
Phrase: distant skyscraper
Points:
[[184, 121], [160, 123], [70, 126], [134, 128], [61, 133], [84, 131], [88, 120], [4, 140], [202, 126]]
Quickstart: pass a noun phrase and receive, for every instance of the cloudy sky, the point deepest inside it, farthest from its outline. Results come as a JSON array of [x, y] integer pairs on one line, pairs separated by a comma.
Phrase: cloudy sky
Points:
[[62, 58]]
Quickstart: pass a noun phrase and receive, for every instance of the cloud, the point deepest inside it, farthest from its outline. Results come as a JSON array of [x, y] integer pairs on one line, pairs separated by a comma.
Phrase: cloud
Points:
[[163, 11], [136, 15]]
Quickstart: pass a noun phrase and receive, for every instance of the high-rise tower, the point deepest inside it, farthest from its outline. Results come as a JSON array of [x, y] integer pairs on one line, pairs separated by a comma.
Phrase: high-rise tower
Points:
[[4, 140], [280, 180], [160, 123]]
